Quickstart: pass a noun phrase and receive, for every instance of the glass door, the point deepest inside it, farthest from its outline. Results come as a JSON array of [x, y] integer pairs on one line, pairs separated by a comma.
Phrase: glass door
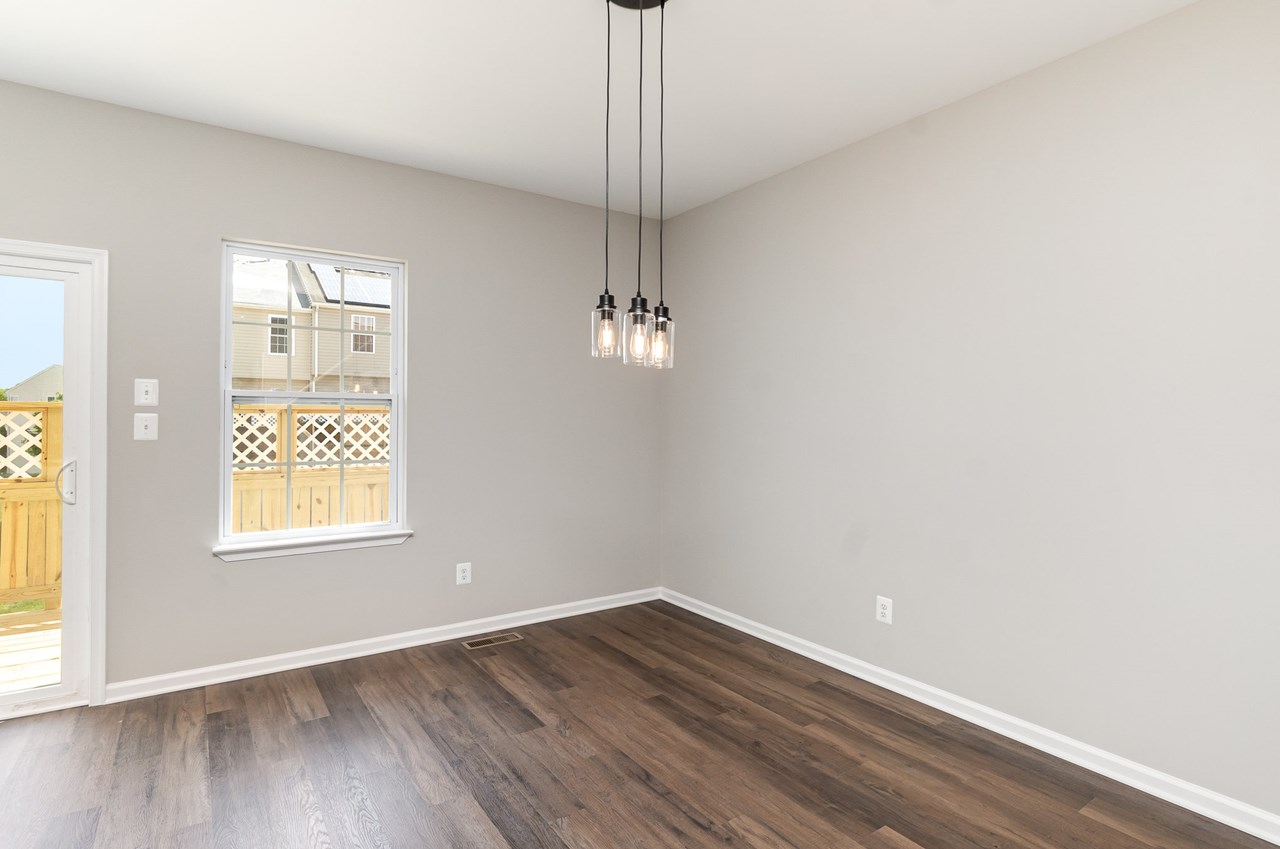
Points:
[[32, 475]]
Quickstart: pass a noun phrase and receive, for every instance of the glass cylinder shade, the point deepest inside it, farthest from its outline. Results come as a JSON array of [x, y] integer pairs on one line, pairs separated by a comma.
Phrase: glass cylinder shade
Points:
[[606, 334], [637, 334], [662, 345]]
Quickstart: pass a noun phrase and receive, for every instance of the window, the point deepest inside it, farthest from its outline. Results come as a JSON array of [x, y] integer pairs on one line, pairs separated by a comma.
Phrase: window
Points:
[[362, 334], [278, 341], [311, 446]]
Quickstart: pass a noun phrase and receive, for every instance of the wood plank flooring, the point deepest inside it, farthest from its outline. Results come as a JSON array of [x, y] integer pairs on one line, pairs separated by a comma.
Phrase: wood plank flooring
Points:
[[639, 728]]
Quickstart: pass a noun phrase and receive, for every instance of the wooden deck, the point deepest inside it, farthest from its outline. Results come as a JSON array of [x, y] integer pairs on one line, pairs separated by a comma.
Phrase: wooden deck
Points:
[[30, 650]]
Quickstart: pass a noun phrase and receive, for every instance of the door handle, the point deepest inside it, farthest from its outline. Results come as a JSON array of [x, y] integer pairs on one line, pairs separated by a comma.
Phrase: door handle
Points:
[[67, 495]]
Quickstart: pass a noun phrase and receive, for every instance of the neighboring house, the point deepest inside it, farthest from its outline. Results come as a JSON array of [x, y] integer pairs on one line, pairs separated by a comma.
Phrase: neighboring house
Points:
[[295, 330], [44, 385]]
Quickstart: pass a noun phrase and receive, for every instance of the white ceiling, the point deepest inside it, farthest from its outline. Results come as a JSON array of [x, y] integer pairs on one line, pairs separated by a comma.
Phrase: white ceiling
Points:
[[511, 92]]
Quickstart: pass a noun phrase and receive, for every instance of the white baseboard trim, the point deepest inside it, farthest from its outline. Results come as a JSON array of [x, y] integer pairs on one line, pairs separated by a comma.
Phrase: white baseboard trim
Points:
[[1239, 815], [154, 685]]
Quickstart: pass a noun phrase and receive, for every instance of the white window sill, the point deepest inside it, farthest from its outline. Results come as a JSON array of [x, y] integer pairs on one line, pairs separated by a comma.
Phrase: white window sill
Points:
[[233, 552]]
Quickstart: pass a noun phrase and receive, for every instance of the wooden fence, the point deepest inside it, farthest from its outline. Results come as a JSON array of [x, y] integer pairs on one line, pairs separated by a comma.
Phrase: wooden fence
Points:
[[30, 509], [350, 486]]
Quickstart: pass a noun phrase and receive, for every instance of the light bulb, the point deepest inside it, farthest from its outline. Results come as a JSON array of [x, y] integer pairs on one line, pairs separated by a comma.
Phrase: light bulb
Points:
[[660, 346], [608, 336], [639, 344]]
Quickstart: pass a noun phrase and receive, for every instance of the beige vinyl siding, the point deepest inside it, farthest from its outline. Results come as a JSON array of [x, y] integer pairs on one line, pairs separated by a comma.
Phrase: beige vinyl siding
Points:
[[253, 364], [372, 372]]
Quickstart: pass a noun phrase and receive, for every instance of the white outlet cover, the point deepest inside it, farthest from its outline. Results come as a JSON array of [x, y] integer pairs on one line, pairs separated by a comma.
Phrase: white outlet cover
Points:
[[884, 610], [464, 573]]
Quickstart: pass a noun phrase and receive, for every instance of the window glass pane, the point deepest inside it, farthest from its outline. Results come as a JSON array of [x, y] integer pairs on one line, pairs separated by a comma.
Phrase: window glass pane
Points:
[[301, 365], [258, 472], [278, 338], [338, 369], [342, 463], [264, 306], [258, 498], [260, 283], [328, 355], [366, 365], [276, 305], [307, 463], [272, 355], [352, 286], [367, 457], [254, 341], [362, 334], [306, 330]]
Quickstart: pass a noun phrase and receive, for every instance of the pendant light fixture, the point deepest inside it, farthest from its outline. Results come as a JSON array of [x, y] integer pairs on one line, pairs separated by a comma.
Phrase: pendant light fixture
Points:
[[639, 322], [605, 332], [646, 338], [662, 345]]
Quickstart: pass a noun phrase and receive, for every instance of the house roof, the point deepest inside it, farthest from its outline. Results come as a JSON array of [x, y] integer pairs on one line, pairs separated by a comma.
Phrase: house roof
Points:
[[54, 371]]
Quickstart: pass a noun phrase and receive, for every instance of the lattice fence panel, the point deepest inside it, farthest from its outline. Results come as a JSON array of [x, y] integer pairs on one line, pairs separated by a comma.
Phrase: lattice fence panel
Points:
[[254, 437], [20, 444], [368, 438], [364, 439], [323, 438], [318, 438]]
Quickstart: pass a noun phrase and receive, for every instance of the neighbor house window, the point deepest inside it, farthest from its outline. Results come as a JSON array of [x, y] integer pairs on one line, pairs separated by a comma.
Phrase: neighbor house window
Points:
[[312, 432], [362, 334], [278, 343]]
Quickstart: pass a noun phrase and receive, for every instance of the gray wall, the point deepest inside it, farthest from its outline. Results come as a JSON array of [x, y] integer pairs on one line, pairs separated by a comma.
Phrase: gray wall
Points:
[[513, 430], [1015, 365]]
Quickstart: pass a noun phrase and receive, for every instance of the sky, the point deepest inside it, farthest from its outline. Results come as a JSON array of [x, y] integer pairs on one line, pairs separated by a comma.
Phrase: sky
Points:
[[30, 327]]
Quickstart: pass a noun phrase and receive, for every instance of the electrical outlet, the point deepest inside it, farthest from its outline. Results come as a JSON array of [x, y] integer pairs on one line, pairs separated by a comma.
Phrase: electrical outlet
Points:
[[884, 610], [464, 573]]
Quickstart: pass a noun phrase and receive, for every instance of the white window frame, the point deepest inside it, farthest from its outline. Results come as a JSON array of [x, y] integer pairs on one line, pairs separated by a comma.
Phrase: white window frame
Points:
[[236, 547], [371, 333], [271, 336]]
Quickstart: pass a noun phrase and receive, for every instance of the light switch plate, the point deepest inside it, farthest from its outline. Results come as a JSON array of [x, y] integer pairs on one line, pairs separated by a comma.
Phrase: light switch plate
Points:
[[146, 426], [146, 392]]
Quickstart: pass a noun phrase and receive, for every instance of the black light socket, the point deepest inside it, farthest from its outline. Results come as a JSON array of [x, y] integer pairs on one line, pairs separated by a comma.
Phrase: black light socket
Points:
[[639, 304], [606, 302], [662, 312]]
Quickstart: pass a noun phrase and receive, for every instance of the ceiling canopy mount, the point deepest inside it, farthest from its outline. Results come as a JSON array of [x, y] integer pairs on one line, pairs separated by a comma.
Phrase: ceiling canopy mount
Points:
[[637, 4]]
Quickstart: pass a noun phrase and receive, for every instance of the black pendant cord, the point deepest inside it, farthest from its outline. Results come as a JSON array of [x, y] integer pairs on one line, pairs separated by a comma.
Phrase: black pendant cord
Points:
[[640, 169], [608, 104], [662, 143]]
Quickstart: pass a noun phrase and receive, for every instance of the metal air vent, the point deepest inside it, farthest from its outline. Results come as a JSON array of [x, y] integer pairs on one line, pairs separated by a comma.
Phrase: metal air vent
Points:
[[488, 642]]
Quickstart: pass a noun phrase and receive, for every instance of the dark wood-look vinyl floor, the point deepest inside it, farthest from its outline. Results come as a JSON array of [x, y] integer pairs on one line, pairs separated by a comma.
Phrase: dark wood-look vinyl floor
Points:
[[639, 727]]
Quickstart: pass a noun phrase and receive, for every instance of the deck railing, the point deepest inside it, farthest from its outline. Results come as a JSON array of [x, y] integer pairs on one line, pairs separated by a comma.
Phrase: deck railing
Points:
[[309, 466], [30, 508]]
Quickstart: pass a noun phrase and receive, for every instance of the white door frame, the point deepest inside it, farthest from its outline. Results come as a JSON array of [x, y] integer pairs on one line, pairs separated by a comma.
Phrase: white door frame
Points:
[[86, 358]]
